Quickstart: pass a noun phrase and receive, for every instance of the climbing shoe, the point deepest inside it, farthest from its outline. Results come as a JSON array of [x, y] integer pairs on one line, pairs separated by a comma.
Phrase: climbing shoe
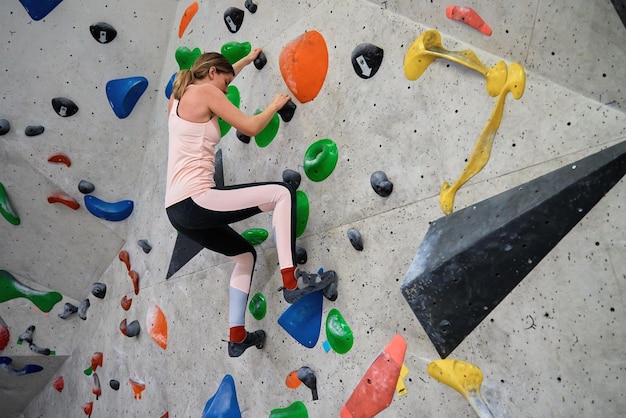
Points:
[[256, 338], [310, 282]]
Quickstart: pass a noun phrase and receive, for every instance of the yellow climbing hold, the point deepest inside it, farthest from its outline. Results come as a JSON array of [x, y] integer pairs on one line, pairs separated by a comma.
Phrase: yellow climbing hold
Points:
[[463, 377], [428, 47]]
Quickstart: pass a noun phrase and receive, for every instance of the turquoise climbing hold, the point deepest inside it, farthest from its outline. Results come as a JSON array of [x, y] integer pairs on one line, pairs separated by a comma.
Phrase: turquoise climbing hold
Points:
[[224, 403], [303, 319], [115, 211], [124, 93], [267, 134], [38, 9], [235, 98]]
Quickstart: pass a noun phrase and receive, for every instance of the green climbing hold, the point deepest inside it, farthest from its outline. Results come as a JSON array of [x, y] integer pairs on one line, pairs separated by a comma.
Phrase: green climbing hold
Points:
[[185, 57], [267, 135], [235, 98], [338, 332], [258, 306], [234, 51], [255, 236], [320, 159], [5, 207], [11, 288], [302, 212], [295, 410]]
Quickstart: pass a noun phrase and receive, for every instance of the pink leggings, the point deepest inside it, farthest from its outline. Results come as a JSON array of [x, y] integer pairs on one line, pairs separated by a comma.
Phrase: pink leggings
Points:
[[205, 218]]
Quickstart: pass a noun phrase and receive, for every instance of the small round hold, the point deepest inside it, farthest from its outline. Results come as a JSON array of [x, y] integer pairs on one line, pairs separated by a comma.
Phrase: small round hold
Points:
[[381, 184], [86, 187], [145, 246], [103, 32], [355, 239], [133, 329], [243, 137], [33, 130], [287, 111], [115, 385], [292, 178], [64, 106], [5, 126], [260, 61], [301, 255], [250, 6], [99, 290], [233, 17]]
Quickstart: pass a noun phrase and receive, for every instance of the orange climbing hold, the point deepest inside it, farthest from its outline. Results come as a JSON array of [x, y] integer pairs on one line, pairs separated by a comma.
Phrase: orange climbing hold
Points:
[[60, 158], [96, 361], [157, 325], [88, 408], [375, 391], [138, 386], [125, 258], [304, 64], [292, 380], [468, 16], [134, 276], [68, 201], [190, 12]]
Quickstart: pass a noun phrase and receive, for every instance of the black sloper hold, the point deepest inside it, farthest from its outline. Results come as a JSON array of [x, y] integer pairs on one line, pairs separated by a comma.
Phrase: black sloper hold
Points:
[[260, 61], [115, 385], [99, 290], [103, 32], [366, 60], [250, 6], [64, 106], [381, 184], [301, 255], [287, 111], [292, 178], [243, 137], [355, 239], [5, 126], [33, 130], [86, 187], [233, 17]]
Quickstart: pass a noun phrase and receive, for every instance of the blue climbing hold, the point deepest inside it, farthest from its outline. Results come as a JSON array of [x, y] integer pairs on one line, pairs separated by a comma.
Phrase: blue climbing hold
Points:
[[116, 211], [303, 319], [124, 93], [38, 9], [170, 86], [224, 403]]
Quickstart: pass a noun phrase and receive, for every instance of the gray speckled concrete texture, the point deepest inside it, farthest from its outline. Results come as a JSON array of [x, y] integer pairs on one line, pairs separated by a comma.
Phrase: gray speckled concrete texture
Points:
[[553, 347]]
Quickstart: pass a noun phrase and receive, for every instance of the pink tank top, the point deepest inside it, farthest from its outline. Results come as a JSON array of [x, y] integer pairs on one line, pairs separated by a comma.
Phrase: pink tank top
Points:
[[191, 157]]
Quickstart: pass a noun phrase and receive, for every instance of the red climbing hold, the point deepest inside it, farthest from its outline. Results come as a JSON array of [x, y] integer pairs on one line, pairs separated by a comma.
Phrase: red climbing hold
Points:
[[60, 158], [134, 276], [88, 408], [96, 360], [68, 201], [125, 258], [126, 302], [468, 16], [5, 334], [59, 383]]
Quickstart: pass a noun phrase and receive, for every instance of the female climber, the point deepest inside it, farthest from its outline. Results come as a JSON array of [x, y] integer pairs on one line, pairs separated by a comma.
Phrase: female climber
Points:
[[199, 209]]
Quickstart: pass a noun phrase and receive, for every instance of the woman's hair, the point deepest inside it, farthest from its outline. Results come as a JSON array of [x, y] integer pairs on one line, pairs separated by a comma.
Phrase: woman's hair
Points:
[[200, 69]]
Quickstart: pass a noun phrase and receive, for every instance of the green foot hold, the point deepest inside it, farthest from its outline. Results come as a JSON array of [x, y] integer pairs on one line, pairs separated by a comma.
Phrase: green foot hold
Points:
[[11, 288], [295, 410], [5, 207]]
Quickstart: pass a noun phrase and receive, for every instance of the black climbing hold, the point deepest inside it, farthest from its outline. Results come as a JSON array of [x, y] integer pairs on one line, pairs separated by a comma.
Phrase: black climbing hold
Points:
[[133, 329], [470, 260], [145, 246], [251, 6], [35, 349], [64, 106], [115, 385], [381, 184], [233, 17], [86, 187], [292, 178], [5, 126], [301, 255], [33, 130], [99, 290], [184, 250], [307, 376], [355, 239], [366, 60], [260, 61], [68, 309], [286, 112], [103, 32], [82, 309], [218, 173], [27, 335], [243, 137]]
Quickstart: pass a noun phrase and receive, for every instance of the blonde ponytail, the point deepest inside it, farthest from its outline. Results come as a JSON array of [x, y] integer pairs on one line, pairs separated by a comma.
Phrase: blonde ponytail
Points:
[[199, 70]]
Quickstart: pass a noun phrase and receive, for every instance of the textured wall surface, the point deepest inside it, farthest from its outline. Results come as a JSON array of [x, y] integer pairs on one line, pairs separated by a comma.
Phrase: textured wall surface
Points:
[[552, 347]]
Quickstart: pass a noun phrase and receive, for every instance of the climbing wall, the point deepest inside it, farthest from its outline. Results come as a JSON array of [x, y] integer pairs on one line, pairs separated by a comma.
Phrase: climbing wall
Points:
[[552, 342]]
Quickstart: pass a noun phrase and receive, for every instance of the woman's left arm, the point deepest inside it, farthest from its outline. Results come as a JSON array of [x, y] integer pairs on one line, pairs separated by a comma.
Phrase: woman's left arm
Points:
[[238, 66]]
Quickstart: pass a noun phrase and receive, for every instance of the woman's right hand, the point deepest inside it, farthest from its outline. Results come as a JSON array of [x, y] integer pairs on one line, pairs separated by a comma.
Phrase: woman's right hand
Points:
[[279, 101]]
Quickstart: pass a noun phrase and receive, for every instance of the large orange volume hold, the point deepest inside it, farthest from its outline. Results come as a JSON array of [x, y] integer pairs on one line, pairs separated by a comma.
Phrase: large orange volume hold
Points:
[[304, 64]]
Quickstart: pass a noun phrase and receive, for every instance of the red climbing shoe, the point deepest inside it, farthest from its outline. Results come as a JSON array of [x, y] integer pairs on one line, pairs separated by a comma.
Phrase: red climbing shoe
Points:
[[256, 338]]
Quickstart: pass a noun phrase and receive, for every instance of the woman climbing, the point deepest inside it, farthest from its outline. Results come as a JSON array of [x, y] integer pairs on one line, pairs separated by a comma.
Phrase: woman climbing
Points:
[[202, 211]]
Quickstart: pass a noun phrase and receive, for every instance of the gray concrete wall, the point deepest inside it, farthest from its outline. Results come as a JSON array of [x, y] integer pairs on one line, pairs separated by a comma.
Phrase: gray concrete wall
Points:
[[553, 347]]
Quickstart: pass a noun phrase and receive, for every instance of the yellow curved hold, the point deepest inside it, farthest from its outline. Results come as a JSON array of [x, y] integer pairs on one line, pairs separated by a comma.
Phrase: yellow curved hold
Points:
[[428, 47], [463, 377], [515, 84]]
